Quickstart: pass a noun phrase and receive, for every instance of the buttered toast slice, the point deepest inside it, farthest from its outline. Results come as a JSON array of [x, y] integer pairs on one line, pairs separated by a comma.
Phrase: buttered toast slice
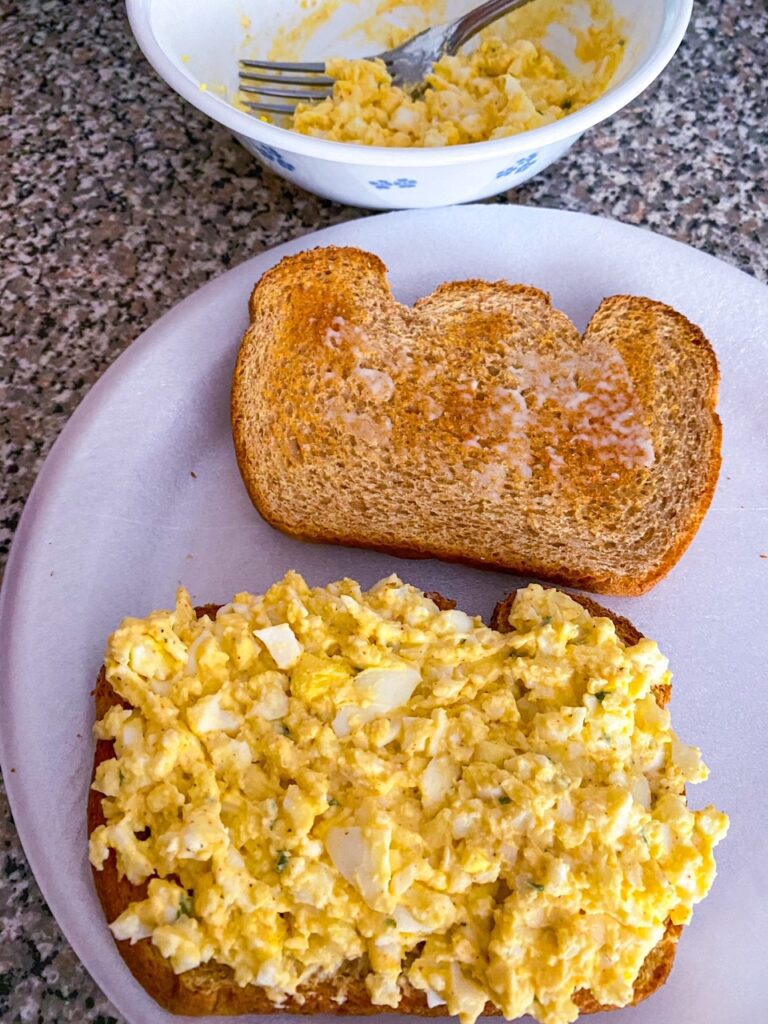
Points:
[[478, 425], [211, 987]]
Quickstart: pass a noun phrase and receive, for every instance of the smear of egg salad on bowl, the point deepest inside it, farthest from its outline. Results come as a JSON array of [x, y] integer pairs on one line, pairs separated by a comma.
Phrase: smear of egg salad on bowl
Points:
[[511, 82], [323, 775]]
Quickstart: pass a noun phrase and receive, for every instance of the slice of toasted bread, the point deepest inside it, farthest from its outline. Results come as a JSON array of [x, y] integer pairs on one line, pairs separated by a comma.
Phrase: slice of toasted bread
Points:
[[476, 426], [211, 988]]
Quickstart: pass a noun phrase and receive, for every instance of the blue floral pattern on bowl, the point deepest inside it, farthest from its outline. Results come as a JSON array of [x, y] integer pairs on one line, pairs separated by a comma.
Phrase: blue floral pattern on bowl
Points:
[[382, 183], [273, 155], [519, 166]]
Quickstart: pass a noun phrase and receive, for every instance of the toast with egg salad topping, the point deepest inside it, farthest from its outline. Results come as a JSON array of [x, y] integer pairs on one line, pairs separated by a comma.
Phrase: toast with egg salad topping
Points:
[[329, 800], [476, 426]]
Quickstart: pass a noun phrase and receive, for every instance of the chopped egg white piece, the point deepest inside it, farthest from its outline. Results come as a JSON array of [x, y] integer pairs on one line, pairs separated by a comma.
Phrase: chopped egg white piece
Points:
[[281, 643], [380, 690]]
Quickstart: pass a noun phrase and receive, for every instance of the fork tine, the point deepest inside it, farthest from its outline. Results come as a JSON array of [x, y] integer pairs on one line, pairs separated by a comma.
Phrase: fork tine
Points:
[[307, 80], [287, 94], [271, 108], [313, 80], [276, 65]]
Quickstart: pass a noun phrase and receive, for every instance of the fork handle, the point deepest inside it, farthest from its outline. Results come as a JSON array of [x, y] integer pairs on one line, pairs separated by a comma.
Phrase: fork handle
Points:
[[478, 19]]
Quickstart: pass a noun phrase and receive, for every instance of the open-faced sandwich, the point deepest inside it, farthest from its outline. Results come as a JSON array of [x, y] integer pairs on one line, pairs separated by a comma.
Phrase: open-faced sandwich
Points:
[[346, 801]]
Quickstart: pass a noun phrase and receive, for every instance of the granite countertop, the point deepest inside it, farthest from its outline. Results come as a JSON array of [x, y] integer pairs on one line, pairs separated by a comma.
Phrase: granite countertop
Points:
[[123, 200]]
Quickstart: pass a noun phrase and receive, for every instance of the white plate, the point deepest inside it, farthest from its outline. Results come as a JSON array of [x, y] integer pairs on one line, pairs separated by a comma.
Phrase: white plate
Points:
[[117, 519]]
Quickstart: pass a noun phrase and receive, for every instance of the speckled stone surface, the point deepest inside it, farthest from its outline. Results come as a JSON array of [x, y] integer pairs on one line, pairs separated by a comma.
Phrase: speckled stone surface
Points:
[[122, 200]]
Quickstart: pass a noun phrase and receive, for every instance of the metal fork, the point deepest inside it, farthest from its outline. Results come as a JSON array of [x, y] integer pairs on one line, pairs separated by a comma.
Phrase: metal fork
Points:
[[407, 64]]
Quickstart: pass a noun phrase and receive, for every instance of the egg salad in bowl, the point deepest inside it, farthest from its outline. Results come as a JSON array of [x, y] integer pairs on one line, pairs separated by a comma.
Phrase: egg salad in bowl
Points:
[[327, 783], [500, 89], [512, 82]]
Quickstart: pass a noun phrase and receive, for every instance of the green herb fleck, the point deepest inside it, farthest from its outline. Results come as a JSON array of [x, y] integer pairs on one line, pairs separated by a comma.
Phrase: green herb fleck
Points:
[[505, 799], [285, 730], [566, 104], [600, 696], [546, 620], [390, 922], [282, 861], [332, 801], [120, 776], [462, 641], [185, 906], [536, 885]]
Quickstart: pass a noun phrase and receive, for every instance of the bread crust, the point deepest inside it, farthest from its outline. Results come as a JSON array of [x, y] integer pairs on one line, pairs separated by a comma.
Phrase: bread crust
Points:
[[294, 279], [211, 990], [682, 541]]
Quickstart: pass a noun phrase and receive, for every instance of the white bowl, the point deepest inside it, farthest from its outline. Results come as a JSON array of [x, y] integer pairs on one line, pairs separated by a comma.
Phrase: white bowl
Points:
[[199, 42]]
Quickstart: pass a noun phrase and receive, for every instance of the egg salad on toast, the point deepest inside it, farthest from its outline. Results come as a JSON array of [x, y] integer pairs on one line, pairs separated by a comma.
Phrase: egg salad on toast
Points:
[[335, 800]]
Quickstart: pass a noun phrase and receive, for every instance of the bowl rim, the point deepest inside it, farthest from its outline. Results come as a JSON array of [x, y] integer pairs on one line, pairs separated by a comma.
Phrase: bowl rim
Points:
[[677, 14]]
